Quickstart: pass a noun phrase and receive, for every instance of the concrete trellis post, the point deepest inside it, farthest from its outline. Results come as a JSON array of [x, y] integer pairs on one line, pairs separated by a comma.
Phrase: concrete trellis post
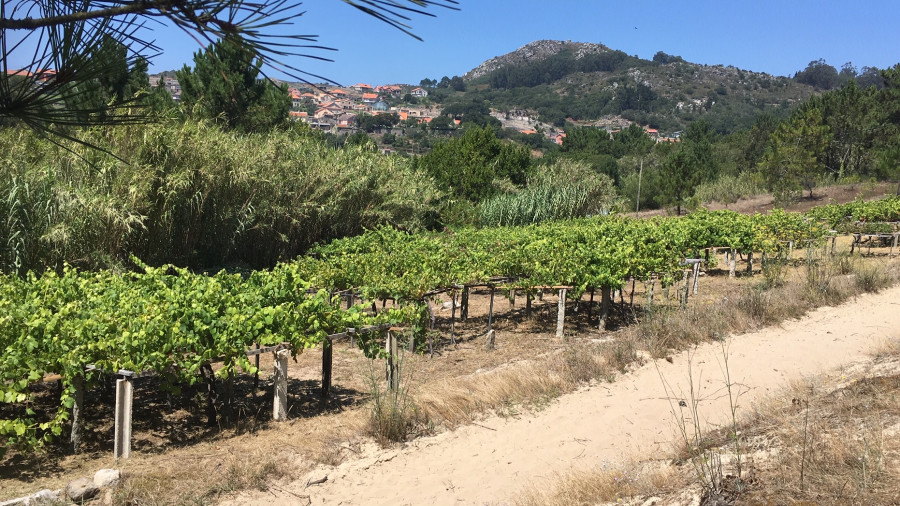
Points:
[[280, 405], [124, 402], [392, 347], [561, 313]]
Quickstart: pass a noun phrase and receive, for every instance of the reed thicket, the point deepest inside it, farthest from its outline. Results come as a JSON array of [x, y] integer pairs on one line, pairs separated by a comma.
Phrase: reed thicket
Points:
[[193, 195], [564, 190]]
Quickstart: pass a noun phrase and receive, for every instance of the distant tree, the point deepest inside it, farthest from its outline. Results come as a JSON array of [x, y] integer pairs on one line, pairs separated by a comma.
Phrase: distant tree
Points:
[[848, 73], [634, 140], [663, 58], [225, 84], [850, 113], [679, 178], [473, 112], [468, 166], [370, 123], [870, 76], [792, 161], [553, 116], [441, 122], [119, 84], [591, 140], [698, 141], [819, 74], [361, 140], [457, 83], [409, 99], [634, 96], [758, 139], [427, 83], [887, 145], [481, 120], [444, 82]]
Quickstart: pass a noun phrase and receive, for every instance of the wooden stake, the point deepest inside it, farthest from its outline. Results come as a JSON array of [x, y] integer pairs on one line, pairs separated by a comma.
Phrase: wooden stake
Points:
[[604, 306], [430, 313], [464, 304], [591, 304], [453, 319], [327, 362], [491, 309], [77, 414]]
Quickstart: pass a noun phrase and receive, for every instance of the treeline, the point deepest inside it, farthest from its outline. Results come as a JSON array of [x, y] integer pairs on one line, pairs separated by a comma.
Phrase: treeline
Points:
[[549, 70], [822, 76], [844, 135]]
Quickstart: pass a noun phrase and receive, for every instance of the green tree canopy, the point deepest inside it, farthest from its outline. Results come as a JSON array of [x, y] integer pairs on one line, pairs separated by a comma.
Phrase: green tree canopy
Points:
[[468, 166], [819, 74], [679, 178], [225, 85], [792, 161]]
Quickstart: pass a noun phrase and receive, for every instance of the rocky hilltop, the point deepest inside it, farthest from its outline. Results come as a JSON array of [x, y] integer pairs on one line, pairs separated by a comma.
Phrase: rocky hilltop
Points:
[[533, 52]]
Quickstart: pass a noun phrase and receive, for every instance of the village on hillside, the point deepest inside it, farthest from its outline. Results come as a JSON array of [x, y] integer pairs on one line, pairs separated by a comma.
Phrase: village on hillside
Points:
[[335, 109]]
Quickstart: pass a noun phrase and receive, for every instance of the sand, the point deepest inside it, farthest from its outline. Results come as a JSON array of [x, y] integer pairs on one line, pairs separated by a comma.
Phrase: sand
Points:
[[608, 423]]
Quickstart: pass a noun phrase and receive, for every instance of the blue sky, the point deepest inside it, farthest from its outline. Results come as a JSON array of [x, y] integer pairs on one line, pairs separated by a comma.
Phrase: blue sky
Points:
[[778, 37]]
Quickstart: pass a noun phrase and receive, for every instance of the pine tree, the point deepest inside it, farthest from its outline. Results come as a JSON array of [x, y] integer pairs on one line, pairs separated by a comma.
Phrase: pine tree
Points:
[[225, 85]]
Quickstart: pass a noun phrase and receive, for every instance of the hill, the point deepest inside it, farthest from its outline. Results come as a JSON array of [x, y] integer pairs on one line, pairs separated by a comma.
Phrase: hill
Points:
[[589, 83]]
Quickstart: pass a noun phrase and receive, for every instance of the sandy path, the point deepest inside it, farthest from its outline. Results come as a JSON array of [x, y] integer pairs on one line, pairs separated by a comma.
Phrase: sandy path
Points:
[[605, 423]]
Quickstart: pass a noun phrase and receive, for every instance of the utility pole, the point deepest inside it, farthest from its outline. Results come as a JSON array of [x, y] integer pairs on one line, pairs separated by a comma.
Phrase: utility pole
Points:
[[637, 206]]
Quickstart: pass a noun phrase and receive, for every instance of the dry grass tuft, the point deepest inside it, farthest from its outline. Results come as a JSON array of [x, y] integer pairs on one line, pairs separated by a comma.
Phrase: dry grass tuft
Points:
[[201, 482], [821, 281], [532, 383], [606, 485], [834, 446], [394, 414]]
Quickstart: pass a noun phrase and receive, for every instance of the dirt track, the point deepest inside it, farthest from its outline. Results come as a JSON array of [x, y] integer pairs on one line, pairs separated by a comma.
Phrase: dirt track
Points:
[[611, 422]]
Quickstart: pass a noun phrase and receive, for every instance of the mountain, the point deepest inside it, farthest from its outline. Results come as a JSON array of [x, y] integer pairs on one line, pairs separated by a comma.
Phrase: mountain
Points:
[[588, 83]]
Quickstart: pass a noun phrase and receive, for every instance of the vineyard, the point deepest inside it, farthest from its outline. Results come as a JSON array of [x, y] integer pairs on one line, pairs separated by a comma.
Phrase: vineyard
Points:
[[172, 323]]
